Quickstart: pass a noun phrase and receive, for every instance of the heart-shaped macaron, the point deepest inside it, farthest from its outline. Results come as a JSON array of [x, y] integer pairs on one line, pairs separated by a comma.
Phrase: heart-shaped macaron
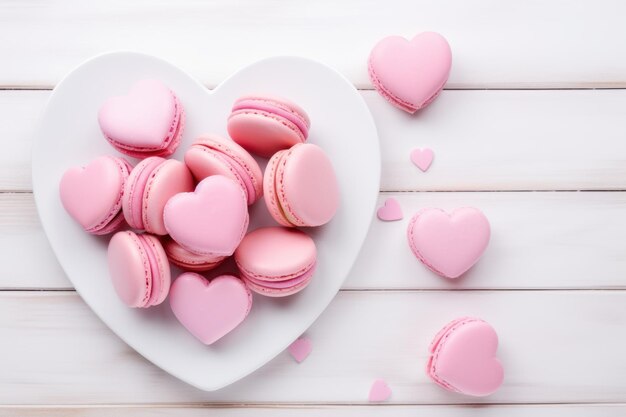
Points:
[[209, 310], [463, 358], [148, 121], [92, 195], [410, 74], [212, 220], [449, 244]]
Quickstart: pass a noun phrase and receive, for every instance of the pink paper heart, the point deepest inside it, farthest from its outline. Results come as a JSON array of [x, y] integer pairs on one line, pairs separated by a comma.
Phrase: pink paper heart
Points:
[[410, 74], [379, 391], [300, 349], [142, 119], [422, 158], [212, 220], [449, 244], [463, 358], [390, 211], [91, 193], [209, 310]]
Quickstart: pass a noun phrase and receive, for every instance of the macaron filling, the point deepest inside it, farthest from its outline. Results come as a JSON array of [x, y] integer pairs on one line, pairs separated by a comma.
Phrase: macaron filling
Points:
[[134, 208], [155, 272], [272, 107]]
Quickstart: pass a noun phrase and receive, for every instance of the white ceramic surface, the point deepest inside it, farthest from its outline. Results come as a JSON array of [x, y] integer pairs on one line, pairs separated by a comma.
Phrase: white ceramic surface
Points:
[[68, 134]]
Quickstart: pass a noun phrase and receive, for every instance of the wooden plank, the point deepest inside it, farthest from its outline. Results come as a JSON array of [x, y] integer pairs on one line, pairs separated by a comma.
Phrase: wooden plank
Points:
[[483, 140], [539, 240], [335, 410], [528, 44], [556, 347]]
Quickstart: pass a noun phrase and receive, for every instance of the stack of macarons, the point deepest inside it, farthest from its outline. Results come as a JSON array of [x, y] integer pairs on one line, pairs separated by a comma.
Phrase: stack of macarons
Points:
[[194, 214]]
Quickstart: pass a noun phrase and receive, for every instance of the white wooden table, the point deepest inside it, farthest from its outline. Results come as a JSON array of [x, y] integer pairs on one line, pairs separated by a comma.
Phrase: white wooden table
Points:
[[532, 130]]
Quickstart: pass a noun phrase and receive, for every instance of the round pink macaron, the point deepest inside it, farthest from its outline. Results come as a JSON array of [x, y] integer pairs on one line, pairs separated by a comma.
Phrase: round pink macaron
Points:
[[276, 261], [92, 194], [139, 269], [148, 121], [264, 124], [213, 155], [300, 187], [187, 260], [150, 185]]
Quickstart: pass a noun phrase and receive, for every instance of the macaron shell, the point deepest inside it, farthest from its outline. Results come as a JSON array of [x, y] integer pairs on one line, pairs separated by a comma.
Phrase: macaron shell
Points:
[[188, 260], [169, 178], [269, 189], [159, 267], [129, 268], [92, 195], [210, 310], [212, 155], [279, 107], [263, 133], [463, 359], [276, 253], [307, 186], [132, 201]]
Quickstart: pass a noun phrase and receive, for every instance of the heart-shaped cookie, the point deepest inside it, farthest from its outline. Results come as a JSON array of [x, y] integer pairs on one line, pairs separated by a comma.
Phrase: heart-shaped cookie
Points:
[[410, 74], [449, 244], [463, 358], [148, 121], [92, 194], [270, 327], [210, 310], [212, 220]]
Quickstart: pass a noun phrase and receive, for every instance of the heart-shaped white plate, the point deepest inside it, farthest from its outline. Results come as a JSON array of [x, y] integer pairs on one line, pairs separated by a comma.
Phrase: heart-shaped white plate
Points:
[[68, 135]]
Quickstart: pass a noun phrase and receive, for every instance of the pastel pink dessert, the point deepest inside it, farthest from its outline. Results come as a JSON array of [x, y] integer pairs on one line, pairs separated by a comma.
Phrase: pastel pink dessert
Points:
[[213, 155], [301, 187], [463, 358], [139, 269], [449, 244], [210, 310], [212, 220], [92, 195], [276, 261], [150, 185], [410, 74], [190, 261], [264, 125], [148, 121]]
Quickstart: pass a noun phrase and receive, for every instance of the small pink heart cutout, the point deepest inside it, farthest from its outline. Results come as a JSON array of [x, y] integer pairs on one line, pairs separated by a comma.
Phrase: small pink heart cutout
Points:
[[212, 220], [463, 358], [422, 158], [390, 211], [209, 310], [300, 349], [449, 244], [379, 391], [410, 74]]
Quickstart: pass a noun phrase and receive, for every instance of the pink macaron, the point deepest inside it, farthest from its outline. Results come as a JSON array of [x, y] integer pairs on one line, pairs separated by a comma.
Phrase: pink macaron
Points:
[[139, 269], [210, 310], [264, 124], [276, 261], [463, 358], [92, 194], [300, 186], [212, 220], [410, 74], [148, 121], [213, 155], [150, 185], [189, 261]]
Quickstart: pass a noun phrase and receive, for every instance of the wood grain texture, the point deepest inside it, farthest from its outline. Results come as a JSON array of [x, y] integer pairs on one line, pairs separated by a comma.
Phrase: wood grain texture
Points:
[[539, 240], [483, 140], [556, 346], [526, 44], [315, 411]]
